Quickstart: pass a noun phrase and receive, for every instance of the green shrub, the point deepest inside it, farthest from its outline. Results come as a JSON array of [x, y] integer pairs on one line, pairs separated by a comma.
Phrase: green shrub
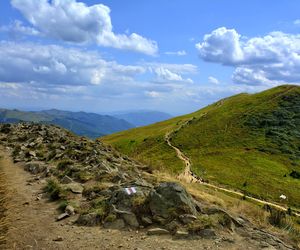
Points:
[[62, 205], [63, 164], [54, 190]]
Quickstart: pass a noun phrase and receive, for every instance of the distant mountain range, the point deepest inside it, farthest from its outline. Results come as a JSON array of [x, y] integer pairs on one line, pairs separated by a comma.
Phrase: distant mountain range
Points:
[[143, 117], [81, 123], [85, 124]]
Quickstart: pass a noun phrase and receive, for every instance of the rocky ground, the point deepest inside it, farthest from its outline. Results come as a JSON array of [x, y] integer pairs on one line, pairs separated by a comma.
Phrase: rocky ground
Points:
[[80, 194]]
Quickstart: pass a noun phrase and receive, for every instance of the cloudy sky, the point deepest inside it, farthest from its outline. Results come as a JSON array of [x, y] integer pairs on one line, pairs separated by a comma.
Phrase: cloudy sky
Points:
[[175, 56]]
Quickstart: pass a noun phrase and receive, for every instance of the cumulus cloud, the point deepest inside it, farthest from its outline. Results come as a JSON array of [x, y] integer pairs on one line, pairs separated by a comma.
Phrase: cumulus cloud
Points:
[[176, 53], [213, 80], [171, 73], [222, 45], [17, 28], [270, 59], [56, 65], [62, 73], [72, 21]]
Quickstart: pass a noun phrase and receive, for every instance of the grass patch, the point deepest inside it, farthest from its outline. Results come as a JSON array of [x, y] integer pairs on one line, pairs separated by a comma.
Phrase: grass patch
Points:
[[54, 190]]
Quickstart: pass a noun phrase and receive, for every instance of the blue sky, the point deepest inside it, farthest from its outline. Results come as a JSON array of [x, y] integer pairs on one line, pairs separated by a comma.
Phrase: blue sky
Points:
[[174, 56]]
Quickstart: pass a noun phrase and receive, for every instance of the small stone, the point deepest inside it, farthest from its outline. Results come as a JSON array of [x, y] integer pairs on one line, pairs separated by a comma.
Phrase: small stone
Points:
[[207, 233], [187, 218], [181, 234], [70, 210], [66, 180], [157, 231], [75, 188], [58, 238], [62, 216], [146, 221], [32, 153]]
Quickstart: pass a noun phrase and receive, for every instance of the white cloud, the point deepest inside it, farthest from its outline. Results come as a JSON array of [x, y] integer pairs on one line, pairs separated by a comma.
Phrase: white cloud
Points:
[[213, 80], [56, 65], [153, 94], [176, 53], [172, 73], [297, 22], [268, 60], [167, 75], [222, 45], [75, 22], [17, 28]]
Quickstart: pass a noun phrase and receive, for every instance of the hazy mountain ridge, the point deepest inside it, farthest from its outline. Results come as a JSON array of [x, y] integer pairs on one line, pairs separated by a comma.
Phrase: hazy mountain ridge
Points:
[[143, 117], [81, 123]]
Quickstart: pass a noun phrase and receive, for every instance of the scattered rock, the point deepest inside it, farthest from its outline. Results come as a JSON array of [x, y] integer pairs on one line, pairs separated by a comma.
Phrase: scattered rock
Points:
[[66, 180], [62, 216], [32, 153], [70, 210], [91, 219], [157, 231], [75, 188], [58, 238], [187, 218], [207, 233], [146, 221], [35, 167], [131, 220], [117, 224], [181, 234]]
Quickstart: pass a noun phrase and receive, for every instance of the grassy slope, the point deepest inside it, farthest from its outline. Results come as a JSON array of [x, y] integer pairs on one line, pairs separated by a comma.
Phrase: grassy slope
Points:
[[229, 145]]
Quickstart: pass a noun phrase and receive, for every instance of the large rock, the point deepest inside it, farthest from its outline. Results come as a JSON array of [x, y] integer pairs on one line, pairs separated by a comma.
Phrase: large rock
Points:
[[170, 200], [91, 219], [117, 224], [35, 167], [131, 220], [121, 200], [75, 188]]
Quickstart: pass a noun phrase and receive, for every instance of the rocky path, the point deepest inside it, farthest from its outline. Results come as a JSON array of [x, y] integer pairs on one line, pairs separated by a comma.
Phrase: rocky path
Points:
[[188, 176], [32, 225]]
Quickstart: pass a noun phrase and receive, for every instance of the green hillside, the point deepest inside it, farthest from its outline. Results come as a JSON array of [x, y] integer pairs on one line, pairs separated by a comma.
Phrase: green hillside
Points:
[[249, 142]]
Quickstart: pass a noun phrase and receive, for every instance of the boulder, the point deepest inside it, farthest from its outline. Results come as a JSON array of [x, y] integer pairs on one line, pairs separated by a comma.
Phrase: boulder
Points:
[[75, 188], [170, 200], [131, 220], [116, 224], [35, 167], [91, 219], [121, 200]]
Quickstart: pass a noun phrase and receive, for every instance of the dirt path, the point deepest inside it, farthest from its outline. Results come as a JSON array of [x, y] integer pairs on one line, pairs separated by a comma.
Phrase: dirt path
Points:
[[188, 176], [32, 224]]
